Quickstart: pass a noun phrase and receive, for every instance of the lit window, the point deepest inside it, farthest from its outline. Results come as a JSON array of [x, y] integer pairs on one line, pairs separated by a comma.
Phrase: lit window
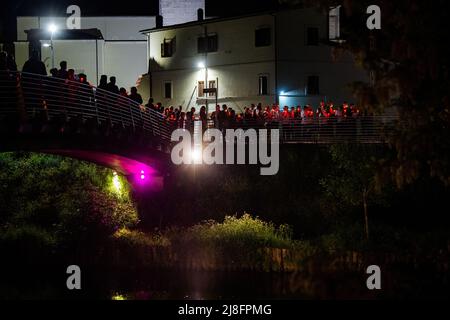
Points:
[[333, 24]]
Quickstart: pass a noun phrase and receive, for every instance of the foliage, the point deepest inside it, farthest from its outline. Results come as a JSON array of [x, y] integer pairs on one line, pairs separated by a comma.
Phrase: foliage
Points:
[[354, 170], [352, 183], [139, 238], [245, 232], [409, 59], [70, 200]]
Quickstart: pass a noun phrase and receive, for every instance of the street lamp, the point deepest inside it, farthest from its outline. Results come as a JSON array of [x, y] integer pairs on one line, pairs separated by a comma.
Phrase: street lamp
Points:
[[202, 65], [52, 28]]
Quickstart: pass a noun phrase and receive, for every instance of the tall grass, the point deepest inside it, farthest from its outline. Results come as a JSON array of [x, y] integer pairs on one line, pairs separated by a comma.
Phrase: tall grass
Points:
[[245, 231]]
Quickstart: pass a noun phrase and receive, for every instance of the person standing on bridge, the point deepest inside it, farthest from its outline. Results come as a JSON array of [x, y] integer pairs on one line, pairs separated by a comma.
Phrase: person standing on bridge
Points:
[[135, 96], [34, 65], [111, 86], [62, 72]]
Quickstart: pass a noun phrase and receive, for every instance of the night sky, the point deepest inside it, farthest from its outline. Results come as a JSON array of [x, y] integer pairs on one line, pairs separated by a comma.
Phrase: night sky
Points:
[[13, 8]]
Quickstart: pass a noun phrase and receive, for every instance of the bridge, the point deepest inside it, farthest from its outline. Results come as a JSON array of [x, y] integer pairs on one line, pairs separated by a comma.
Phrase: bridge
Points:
[[70, 118]]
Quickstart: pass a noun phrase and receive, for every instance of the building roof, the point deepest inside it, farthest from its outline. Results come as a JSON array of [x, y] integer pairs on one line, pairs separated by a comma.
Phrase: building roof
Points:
[[64, 34], [206, 21]]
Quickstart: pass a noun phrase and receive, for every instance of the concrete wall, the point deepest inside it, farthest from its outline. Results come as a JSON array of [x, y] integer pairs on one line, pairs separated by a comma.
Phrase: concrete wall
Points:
[[297, 61], [21, 53], [237, 92], [80, 56], [112, 28], [179, 11], [236, 65], [125, 60], [123, 54]]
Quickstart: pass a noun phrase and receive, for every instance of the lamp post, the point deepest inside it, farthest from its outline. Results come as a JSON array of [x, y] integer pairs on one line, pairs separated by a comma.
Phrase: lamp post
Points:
[[52, 29], [206, 66], [202, 65]]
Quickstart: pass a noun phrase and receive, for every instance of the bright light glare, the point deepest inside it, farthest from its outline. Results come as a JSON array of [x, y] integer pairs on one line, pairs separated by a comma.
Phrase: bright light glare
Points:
[[282, 93], [142, 175], [201, 65], [46, 45], [52, 28], [116, 182], [196, 156]]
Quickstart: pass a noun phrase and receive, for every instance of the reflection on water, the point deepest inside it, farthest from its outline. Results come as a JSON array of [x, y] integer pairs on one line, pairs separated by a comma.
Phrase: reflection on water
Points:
[[160, 285]]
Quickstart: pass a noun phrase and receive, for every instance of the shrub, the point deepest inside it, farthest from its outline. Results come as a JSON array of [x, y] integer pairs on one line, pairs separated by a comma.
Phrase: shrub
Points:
[[245, 231]]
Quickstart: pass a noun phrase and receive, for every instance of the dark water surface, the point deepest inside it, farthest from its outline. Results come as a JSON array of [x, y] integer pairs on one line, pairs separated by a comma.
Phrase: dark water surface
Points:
[[186, 284]]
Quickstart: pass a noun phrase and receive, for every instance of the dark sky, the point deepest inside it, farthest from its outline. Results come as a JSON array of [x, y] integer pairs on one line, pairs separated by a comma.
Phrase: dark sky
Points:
[[12, 8]]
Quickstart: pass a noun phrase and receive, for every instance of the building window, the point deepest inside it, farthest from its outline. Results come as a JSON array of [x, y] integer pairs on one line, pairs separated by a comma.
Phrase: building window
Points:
[[262, 37], [312, 87], [168, 47], [212, 84], [333, 24], [312, 36], [211, 44], [263, 85], [168, 90], [200, 88]]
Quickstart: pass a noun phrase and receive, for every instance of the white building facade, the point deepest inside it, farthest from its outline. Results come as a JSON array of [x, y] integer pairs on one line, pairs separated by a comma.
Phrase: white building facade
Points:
[[121, 51], [278, 57]]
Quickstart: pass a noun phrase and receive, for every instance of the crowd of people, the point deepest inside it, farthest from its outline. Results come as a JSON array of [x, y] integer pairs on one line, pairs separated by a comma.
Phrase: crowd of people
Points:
[[35, 66], [255, 115]]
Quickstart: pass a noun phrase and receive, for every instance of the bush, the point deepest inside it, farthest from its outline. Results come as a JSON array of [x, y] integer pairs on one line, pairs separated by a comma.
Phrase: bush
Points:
[[246, 231], [80, 204], [26, 244]]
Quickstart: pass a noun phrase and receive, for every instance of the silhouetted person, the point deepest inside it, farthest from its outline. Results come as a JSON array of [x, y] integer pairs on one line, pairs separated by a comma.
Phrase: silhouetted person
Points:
[[103, 103], [150, 104], [7, 84], [34, 65], [111, 86], [3, 61], [103, 82], [54, 72], [62, 72], [135, 96], [10, 61], [203, 118], [85, 92]]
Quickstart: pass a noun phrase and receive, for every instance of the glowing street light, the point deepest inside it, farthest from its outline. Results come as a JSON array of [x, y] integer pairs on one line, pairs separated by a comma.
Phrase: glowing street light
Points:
[[201, 65], [52, 28]]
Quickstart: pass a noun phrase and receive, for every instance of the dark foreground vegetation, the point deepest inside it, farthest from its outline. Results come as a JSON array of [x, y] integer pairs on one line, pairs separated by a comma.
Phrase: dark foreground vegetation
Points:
[[312, 229]]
